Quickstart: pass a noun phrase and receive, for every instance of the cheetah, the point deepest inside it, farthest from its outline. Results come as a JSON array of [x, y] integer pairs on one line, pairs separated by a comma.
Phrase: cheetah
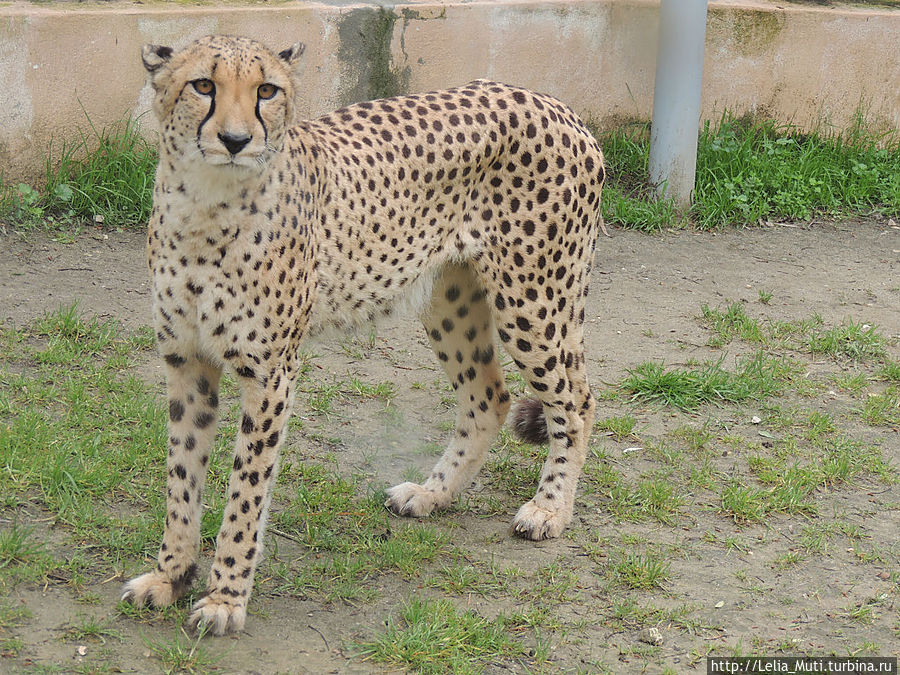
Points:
[[477, 206]]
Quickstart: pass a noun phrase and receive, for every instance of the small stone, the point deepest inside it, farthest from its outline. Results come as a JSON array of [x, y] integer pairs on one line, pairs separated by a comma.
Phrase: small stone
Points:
[[651, 636]]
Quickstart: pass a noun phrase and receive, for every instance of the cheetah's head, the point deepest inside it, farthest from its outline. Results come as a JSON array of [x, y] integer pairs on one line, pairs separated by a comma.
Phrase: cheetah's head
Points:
[[223, 101]]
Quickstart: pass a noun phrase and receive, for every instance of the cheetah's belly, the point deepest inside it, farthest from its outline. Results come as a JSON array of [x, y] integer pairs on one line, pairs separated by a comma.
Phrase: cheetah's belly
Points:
[[337, 312]]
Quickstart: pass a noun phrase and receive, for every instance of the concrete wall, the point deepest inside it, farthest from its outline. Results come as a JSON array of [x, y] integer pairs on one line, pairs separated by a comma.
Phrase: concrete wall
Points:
[[62, 61]]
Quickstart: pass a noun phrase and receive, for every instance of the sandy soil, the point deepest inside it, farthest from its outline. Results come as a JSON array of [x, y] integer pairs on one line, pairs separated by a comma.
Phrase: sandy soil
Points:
[[646, 297]]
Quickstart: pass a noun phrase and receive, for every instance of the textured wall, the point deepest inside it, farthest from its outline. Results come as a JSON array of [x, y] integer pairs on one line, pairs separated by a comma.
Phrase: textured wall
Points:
[[795, 63]]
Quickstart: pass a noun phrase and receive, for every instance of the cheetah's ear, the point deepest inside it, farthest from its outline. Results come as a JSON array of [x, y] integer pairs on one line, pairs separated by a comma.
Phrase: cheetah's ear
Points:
[[293, 53], [155, 57]]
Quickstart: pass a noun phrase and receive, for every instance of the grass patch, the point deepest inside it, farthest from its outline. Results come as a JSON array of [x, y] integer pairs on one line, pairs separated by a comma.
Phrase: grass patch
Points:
[[82, 441], [850, 340], [620, 428], [628, 199], [654, 498], [642, 569], [485, 579], [744, 503], [92, 628], [746, 171], [17, 546], [816, 537], [883, 409], [628, 613], [431, 636], [348, 531], [891, 371], [756, 378], [732, 322], [788, 486], [79, 434], [515, 467], [751, 170], [182, 654], [82, 437], [104, 176]]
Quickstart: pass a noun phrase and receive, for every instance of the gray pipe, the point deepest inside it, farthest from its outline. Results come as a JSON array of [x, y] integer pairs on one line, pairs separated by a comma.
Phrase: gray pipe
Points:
[[676, 98]]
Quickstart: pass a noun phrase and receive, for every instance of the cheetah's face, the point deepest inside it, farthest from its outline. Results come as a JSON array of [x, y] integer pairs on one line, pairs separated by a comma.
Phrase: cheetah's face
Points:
[[221, 106]]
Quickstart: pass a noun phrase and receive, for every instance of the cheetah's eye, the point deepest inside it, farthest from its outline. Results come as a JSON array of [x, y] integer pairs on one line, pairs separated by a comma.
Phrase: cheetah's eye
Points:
[[266, 91], [204, 86]]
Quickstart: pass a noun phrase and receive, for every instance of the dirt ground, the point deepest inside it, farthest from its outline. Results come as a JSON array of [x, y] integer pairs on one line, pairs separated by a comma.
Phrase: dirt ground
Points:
[[645, 302]]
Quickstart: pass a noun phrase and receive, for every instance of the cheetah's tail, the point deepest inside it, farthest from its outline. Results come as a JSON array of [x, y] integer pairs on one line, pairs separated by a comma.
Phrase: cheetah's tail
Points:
[[528, 422]]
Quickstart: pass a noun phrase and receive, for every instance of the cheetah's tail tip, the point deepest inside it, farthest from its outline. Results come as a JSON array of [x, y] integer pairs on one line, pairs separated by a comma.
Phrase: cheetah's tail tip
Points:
[[528, 422]]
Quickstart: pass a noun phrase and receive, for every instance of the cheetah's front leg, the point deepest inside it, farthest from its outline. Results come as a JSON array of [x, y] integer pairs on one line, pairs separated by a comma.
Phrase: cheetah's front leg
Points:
[[193, 390], [265, 409]]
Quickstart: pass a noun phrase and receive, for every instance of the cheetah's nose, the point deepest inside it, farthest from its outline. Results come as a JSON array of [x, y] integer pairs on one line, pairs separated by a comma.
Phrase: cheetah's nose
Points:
[[234, 143]]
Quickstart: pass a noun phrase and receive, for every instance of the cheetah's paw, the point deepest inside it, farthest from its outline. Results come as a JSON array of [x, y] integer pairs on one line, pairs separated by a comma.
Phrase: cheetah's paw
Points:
[[537, 523], [218, 614], [410, 499], [154, 588]]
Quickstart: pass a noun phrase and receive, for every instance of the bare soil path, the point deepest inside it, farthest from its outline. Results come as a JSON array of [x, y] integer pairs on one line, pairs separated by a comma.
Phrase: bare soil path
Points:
[[731, 587]]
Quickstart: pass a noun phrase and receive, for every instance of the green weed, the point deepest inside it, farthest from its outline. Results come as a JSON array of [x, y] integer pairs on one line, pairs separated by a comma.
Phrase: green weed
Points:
[[487, 579], [12, 616], [384, 391], [77, 435], [15, 547], [94, 629], [851, 340], [891, 371], [431, 636], [322, 398], [731, 323], [183, 654], [620, 428], [882, 409], [851, 382], [744, 504], [651, 498], [694, 439], [642, 569], [757, 377], [756, 170], [816, 537], [515, 467], [628, 199], [642, 211], [105, 176], [351, 532], [747, 171]]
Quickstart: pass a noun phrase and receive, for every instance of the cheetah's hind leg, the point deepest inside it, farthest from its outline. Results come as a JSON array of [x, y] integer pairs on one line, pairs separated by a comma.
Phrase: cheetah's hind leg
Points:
[[547, 347], [564, 421], [459, 327]]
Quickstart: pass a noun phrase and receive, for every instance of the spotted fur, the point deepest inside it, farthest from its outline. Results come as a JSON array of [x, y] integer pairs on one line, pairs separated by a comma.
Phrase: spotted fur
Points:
[[476, 206]]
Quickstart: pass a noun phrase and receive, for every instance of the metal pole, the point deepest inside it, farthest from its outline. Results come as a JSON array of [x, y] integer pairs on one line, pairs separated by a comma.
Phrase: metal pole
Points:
[[676, 98]]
